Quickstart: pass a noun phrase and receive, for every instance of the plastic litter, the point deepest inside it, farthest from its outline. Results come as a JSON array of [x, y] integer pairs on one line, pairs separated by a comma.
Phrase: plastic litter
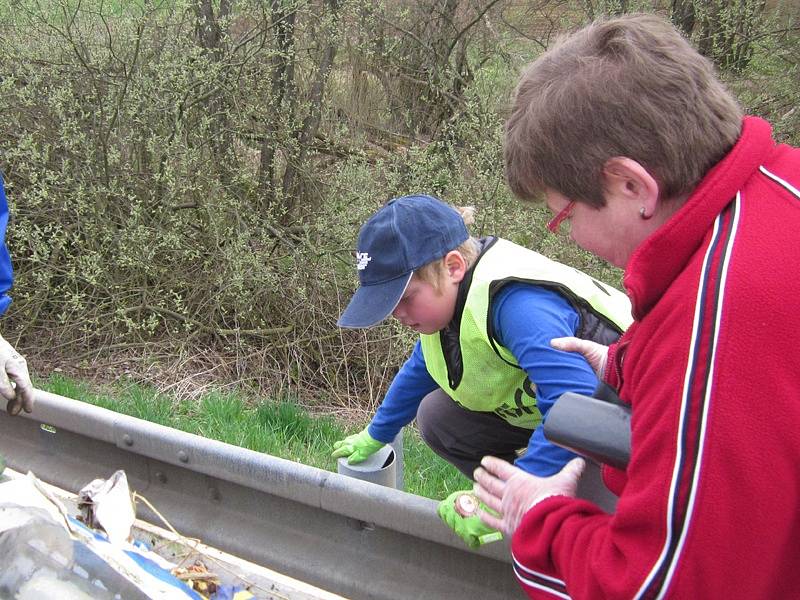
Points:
[[46, 553], [107, 504]]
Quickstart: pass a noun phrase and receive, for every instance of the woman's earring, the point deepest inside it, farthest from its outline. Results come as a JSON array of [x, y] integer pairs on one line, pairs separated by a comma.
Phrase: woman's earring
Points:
[[642, 213]]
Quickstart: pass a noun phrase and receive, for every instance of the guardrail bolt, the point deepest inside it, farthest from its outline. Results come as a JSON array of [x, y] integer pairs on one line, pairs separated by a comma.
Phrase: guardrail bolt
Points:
[[183, 456], [360, 525], [160, 477], [127, 439]]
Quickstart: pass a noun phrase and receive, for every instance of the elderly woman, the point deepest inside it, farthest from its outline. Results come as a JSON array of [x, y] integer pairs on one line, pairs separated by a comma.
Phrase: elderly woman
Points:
[[633, 142]]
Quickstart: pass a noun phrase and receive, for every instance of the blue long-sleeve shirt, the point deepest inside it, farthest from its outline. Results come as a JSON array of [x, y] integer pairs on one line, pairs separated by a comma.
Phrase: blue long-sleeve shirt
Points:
[[525, 318], [6, 272]]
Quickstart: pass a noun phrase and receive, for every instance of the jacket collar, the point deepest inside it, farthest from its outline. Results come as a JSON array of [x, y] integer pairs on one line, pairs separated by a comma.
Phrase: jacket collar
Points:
[[656, 263]]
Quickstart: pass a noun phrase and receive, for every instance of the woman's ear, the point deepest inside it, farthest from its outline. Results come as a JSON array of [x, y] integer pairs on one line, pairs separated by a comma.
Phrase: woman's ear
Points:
[[456, 265], [626, 179]]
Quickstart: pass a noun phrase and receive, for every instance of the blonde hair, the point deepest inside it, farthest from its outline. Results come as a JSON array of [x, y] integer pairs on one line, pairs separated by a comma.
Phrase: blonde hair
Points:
[[434, 272]]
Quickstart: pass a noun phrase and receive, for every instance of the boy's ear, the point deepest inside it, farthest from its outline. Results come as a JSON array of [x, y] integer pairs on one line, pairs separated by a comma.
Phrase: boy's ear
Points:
[[456, 265], [626, 179]]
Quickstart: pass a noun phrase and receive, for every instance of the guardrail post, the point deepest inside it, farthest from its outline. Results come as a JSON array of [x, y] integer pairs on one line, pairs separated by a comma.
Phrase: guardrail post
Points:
[[397, 444]]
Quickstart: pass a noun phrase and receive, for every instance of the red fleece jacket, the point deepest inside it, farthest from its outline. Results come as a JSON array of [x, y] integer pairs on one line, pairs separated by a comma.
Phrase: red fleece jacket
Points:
[[709, 503]]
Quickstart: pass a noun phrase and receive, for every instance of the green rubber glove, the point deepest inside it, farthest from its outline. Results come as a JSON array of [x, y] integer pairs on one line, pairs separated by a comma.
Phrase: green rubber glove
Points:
[[470, 529], [357, 447]]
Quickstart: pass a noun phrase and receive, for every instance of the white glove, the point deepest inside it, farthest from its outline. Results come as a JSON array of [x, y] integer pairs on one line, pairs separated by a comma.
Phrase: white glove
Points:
[[595, 354], [511, 492], [15, 381]]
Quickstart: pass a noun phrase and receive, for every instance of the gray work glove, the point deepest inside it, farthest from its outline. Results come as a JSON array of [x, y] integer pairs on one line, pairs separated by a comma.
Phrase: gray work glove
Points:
[[15, 381]]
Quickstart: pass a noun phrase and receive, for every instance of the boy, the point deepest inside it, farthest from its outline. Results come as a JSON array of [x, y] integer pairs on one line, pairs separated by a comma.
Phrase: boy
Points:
[[483, 374]]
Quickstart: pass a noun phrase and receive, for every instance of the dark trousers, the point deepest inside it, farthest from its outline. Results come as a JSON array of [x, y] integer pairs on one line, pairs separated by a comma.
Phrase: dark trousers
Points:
[[462, 437]]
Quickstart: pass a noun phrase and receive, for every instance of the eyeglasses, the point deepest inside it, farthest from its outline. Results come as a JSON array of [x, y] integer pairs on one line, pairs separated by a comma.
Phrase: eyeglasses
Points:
[[554, 223]]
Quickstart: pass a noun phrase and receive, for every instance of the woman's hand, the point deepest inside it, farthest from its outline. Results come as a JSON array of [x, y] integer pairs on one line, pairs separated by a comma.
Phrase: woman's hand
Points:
[[512, 492], [595, 354]]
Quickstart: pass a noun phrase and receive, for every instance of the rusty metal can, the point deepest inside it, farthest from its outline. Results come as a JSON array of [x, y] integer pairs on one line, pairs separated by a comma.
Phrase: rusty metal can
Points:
[[466, 504]]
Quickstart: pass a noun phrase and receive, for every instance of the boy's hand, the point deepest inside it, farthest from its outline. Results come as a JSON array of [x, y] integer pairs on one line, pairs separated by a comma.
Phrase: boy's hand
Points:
[[357, 447], [469, 528], [15, 382]]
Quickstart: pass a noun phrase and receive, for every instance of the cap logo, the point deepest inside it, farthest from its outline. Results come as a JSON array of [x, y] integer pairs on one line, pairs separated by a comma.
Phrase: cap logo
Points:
[[362, 258]]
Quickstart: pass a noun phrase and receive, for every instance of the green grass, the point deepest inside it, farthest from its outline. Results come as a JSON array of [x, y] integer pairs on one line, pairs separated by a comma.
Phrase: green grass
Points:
[[279, 428]]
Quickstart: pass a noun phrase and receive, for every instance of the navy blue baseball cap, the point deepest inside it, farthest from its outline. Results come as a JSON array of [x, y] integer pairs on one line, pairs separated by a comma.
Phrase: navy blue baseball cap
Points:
[[405, 234]]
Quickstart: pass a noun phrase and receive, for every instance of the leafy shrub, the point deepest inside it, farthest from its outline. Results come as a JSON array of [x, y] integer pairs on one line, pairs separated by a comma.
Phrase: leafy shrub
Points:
[[187, 179]]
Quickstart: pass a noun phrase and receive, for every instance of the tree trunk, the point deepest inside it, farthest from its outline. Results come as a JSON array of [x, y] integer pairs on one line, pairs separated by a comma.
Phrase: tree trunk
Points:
[[283, 93], [292, 185], [683, 16], [211, 38]]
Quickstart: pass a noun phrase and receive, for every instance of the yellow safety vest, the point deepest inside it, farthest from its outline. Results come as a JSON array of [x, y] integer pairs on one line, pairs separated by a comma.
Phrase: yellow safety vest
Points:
[[489, 378]]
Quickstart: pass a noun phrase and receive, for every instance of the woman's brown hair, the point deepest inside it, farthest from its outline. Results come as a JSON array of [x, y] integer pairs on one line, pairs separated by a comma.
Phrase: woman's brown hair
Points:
[[630, 86]]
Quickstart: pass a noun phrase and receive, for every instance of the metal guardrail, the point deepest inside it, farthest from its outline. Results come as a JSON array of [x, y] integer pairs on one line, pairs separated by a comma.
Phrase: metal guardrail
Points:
[[347, 536]]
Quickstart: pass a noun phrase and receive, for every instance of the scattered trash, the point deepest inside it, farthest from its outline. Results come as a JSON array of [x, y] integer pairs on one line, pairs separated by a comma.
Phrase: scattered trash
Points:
[[46, 553], [229, 592], [107, 504], [199, 577], [37, 555]]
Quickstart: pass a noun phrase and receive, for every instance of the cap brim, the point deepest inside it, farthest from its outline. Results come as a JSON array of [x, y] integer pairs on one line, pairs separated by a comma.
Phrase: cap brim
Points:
[[371, 304]]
